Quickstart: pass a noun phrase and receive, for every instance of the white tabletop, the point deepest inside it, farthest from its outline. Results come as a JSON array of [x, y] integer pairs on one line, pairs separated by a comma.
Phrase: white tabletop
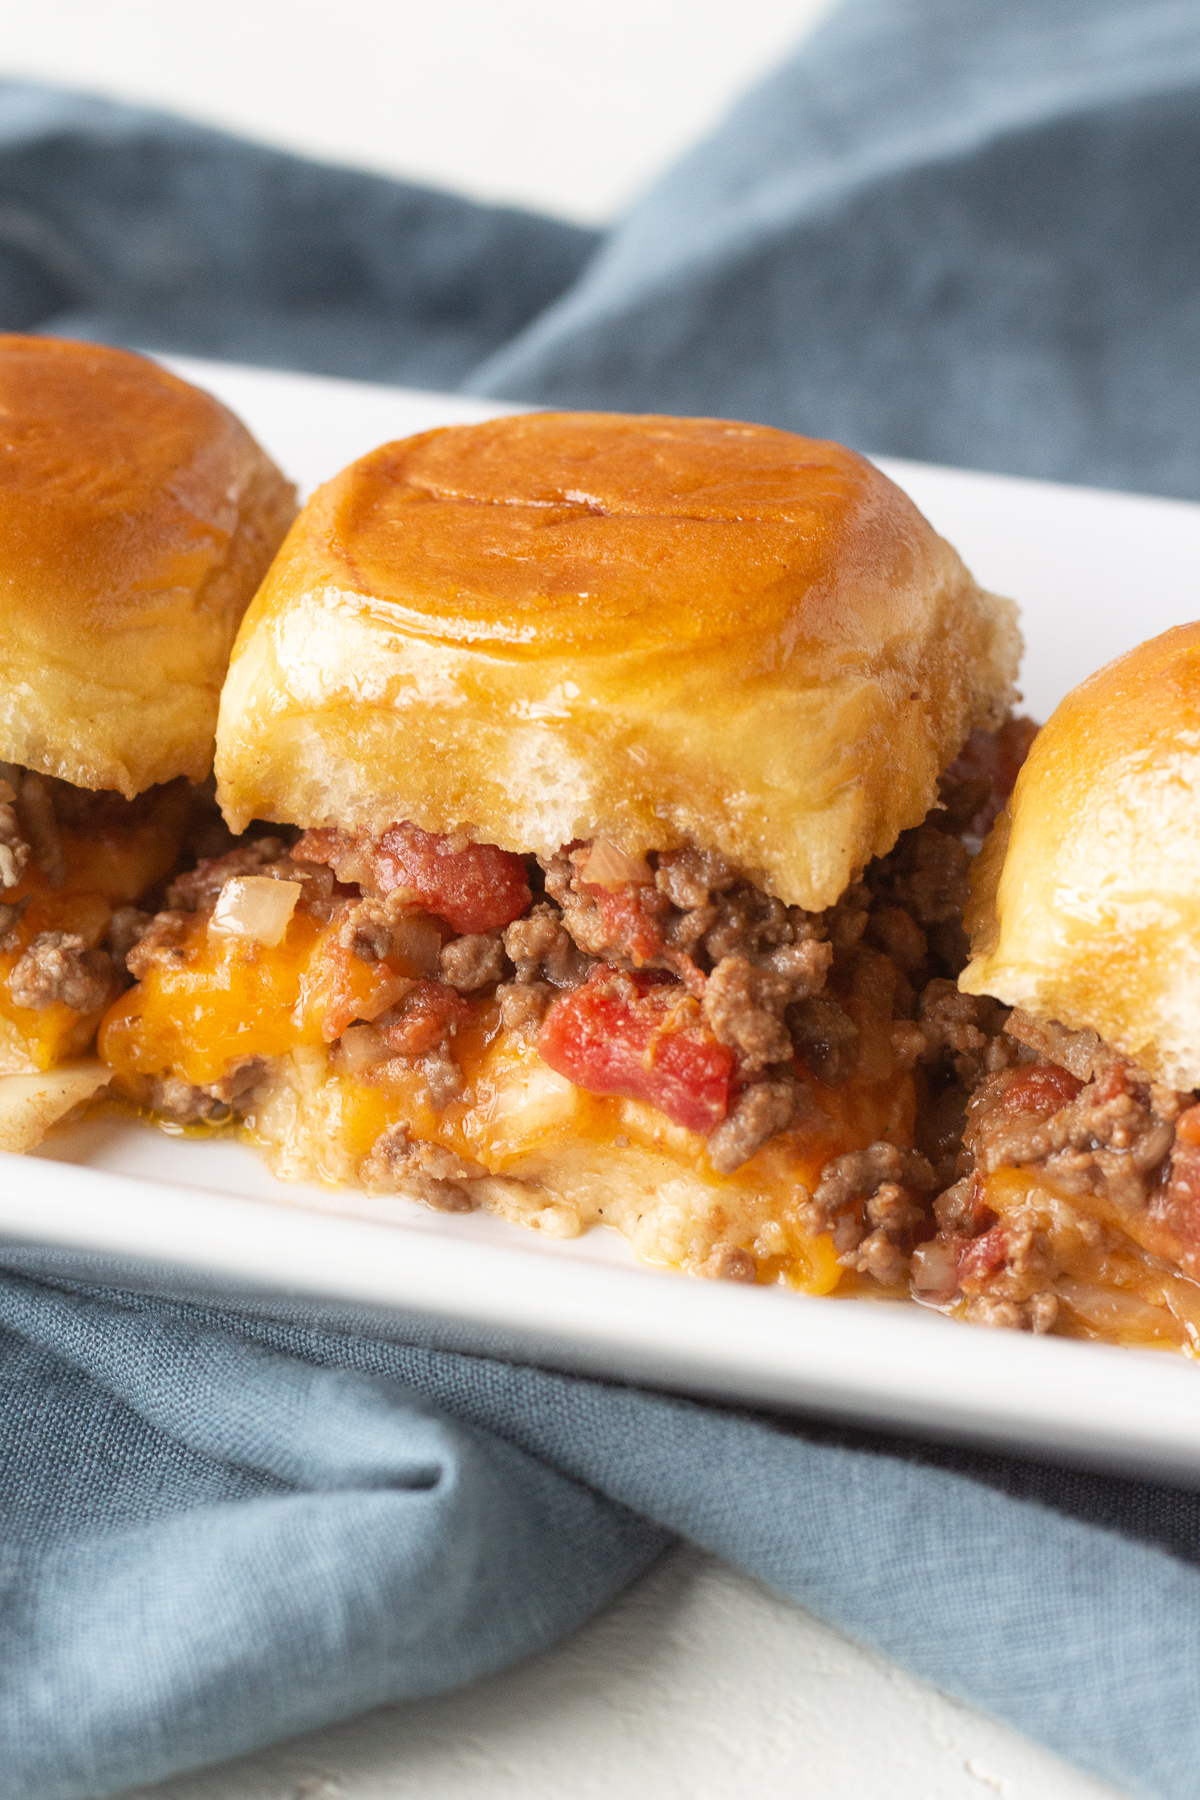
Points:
[[697, 1684]]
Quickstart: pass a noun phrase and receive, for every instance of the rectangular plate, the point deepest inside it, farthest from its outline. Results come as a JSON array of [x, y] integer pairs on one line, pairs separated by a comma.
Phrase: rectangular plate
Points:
[[1095, 573]]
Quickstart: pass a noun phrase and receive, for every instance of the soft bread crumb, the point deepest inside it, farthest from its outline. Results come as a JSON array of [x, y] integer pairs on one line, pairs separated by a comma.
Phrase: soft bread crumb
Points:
[[645, 1181]]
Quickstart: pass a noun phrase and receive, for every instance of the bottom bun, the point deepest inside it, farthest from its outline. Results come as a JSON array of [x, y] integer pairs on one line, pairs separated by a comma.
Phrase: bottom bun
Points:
[[538, 1151]]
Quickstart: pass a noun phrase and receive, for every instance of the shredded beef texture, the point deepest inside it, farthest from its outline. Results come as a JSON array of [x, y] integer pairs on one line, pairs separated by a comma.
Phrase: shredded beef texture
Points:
[[160, 943], [760, 1112], [1098, 1126], [473, 962], [872, 1204], [424, 1171], [59, 968], [174, 1098]]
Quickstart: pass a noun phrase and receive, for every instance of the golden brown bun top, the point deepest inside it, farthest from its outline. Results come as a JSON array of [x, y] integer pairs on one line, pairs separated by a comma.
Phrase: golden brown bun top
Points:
[[1086, 902], [137, 517], [653, 630]]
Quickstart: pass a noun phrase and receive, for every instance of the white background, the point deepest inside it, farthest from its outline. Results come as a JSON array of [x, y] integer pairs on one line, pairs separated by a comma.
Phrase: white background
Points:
[[698, 1683], [567, 105]]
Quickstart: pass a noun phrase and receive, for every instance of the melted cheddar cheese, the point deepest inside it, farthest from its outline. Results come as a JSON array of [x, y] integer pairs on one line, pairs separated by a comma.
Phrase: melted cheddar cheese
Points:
[[556, 1157], [109, 865]]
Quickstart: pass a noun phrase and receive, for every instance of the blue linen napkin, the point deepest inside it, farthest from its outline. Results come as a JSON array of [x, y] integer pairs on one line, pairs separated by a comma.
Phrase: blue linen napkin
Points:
[[222, 1524], [945, 230]]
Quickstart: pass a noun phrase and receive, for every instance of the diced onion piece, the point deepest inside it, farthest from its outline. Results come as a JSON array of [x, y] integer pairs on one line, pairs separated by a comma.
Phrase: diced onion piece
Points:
[[1111, 1309], [360, 1047], [256, 908], [387, 994], [608, 867], [934, 1268], [417, 942]]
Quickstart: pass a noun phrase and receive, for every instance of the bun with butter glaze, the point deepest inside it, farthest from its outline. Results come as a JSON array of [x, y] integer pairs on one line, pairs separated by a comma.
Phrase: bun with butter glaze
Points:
[[137, 517], [653, 631], [1086, 899]]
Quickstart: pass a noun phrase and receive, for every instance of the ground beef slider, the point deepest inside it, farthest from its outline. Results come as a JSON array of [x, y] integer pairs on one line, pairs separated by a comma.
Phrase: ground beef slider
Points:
[[137, 517], [1076, 1200], [618, 743]]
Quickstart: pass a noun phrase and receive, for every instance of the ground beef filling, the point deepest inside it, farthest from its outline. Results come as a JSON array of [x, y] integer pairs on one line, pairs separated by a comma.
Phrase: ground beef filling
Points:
[[1119, 1149], [47, 829], [670, 978]]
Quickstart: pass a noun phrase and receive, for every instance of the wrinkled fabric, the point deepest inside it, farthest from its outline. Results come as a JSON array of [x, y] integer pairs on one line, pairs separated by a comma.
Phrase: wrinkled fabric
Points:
[[129, 226], [222, 1525], [944, 230], [962, 233]]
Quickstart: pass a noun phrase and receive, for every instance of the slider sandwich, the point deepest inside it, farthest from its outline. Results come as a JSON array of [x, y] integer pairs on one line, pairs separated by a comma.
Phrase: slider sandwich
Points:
[[1078, 1206], [137, 518], [627, 771]]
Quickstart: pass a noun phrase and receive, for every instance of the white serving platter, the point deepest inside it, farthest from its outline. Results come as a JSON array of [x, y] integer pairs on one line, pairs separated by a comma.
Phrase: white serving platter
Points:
[[1095, 573]]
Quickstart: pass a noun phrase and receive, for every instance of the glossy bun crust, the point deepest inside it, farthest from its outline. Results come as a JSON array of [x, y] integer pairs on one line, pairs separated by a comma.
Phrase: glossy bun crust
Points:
[[137, 517], [652, 630], [1086, 902]]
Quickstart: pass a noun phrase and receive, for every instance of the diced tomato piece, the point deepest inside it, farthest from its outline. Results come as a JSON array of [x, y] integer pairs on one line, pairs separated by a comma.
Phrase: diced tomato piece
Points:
[[628, 915], [426, 1016], [1177, 1206], [1045, 1090], [982, 1257], [474, 887], [629, 1035]]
